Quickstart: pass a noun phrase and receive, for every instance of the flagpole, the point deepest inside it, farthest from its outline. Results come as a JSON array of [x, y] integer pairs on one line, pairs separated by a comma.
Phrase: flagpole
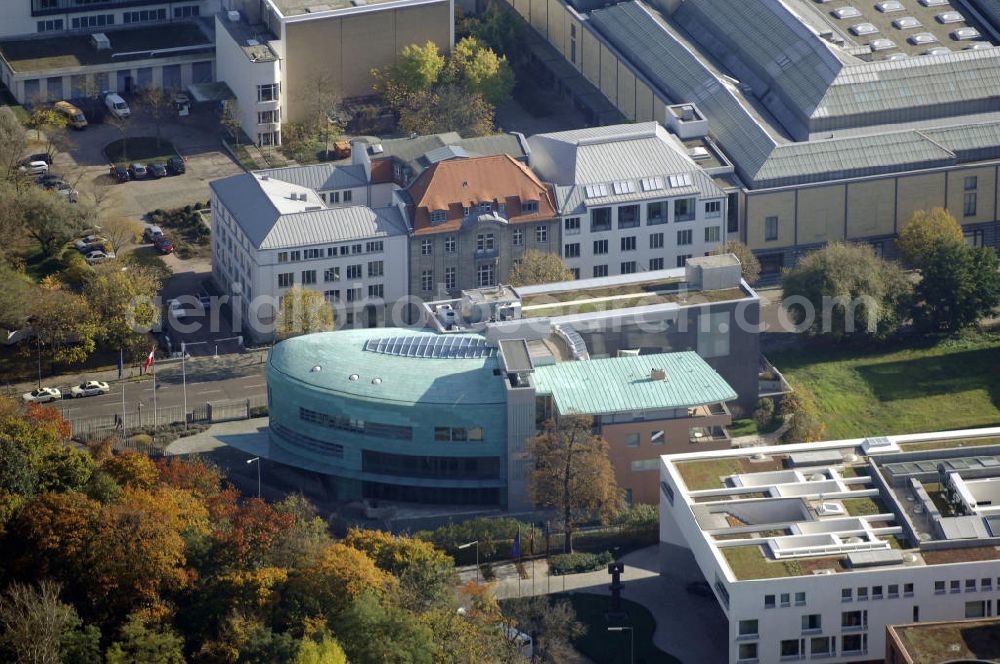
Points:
[[517, 566], [152, 370], [185, 386], [121, 379]]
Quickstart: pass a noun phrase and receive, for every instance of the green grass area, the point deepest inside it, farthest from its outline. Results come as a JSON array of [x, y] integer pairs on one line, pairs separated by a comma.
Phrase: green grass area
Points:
[[749, 562], [698, 475], [952, 641], [600, 645], [139, 148], [951, 384], [149, 256], [747, 427], [946, 444], [639, 288], [645, 299], [865, 506]]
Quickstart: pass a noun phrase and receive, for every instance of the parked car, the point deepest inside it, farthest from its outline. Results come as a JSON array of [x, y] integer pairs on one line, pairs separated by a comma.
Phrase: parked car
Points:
[[117, 106], [35, 168], [49, 180], [157, 170], [89, 389], [176, 309], [91, 248], [120, 174], [163, 243], [175, 166], [88, 240], [38, 156], [71, 194], [150, 233], [74, 116], [138, 171], [95, 257], [42, 395]]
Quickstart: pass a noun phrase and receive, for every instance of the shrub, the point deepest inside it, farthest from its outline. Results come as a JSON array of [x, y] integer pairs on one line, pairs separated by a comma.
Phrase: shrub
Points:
[[141, 439], [575, 563], [495, 536], [638, 518], [763, 415], [197, 206]]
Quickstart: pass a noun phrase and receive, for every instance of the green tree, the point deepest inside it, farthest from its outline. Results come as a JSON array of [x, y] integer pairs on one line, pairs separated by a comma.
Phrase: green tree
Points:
[[120, 232], [447, 108], [48, 218], [499, 28], [958, 286], [123, 300], [17, 474], [418, 67], [375, 633], [539, 267], [63, 468], [481, 70], [850, 292], [13, 142], [320, 649], [49, 120], [552, 624], [303, 311], [749, 265], [924, 232], [426, 575], [572, 473], [802, 415], [64, 324], [147, 643], [303, 543]]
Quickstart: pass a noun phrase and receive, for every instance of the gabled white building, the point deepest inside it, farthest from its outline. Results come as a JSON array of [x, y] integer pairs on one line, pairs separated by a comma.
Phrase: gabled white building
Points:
[[320, 227], [630, 198], [812, 549]]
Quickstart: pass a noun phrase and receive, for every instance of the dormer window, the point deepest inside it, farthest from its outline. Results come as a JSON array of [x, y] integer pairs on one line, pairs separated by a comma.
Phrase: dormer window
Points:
[[529, 207], [465, 211], [486, 207], [501, 208], [439, 216]]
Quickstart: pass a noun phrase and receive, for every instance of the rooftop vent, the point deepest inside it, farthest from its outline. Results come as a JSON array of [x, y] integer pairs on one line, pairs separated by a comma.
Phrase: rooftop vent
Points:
[[316, 369], [826, 509], [376, 149], [358, 3], [687, 112], [657, 374], [965, 33], [100, 41], [933, 3], [353, 377], [949, 17], [888, 6], [699, 153], [921, 38], [233, 16], [253, 42], [906, 23], [881, 44], [862, 29], [846, 12]]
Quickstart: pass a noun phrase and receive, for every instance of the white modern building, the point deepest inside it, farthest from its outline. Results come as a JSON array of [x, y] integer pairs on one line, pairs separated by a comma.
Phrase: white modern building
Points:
[[812, 549], [630, 198], [320, 227]]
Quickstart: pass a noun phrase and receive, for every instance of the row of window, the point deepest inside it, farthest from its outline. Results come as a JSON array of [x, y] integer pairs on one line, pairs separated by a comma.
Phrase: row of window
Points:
[[270, 117], [486, 275], [862, 594], [354, 272], [630, 242], [819, 646], [96, 21], [956, 586], [343, 423], [459, 434], [333, 197], [268, 92], [631, 267], [629, 216], [484, 241], [145, 15], [370, 247], [486, 207], [375, 291]]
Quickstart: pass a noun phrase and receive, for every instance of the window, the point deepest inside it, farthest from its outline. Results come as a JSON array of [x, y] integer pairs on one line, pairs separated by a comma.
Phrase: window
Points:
[[334, 196], [427, 280], [790, 648], [713, 209], [600, 247], [747, 651], [768, 601], [449, 244], [348, 196], [986, 584], [376, 290], [186, 12], [812, 622], [486, 275], [571, 250], [975, 609], [713, 233], [907, 589], [529, 207], [541, 234], [50, 25], [331, 295], [465, 212], [970, 585], [656, 263], [853, 643], [631, 440], [296, 255], [876, 592], [800, 598], [439, 216], [285, 280], [373, 247], [684, 237], [955, 586], [853, 619], [893, 590], [656, 241], [628, 216], [656, 213], [449, 278], [267, 117], [684, 209], [571, 225], [628, 243], [969, 207], [821, 645], [713, 340], [353, 271], [971, 182], [629, 267], [656, 438], [268, 92], [575, 271], [975, 238], [748, 627], [485, 207], [353, 294], [846, 594], [770, 229], [600, 270], [862, 594], [94, 21], [939, 587], [600, 220], [426, 247], [683, 259], [786, 599], [282, 256], [312, 254], [308, 277], [485, 242], [517, 237]]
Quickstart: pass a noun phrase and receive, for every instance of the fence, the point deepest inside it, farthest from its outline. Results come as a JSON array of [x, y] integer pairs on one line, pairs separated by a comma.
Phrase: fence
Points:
[[211, 412]]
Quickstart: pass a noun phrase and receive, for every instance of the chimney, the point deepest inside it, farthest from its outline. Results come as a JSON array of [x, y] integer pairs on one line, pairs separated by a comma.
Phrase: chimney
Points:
[[657, 374]]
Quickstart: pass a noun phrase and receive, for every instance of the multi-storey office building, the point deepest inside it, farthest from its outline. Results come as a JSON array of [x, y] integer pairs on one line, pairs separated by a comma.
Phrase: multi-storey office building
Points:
[[813, 549], [840, 119], [630, 198]]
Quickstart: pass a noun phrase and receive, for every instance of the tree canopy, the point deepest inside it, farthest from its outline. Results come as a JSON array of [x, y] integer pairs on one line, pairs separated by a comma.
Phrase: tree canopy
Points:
[[303, 311], [749, 265], [481, 70], [958, 286], [924, 232], [539, 267]]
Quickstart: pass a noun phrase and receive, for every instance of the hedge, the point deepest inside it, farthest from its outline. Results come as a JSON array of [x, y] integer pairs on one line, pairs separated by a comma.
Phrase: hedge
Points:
[[575, 563]]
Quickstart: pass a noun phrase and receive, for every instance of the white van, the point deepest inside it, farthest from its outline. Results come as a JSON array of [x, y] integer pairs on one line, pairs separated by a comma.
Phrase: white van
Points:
[[117, 106]]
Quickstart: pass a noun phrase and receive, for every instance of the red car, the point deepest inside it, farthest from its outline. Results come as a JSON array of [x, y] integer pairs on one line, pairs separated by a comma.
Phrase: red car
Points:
[[163, 243]]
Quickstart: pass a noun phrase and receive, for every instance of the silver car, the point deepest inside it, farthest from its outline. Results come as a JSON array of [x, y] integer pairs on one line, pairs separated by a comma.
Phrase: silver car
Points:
[[89, 389], [42, 395]]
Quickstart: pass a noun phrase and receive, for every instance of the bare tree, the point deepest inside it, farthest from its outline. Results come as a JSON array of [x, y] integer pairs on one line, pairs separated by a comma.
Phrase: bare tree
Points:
[[34, 621], [320, 98], [120, 232], [13, 142], [159, 104], [122, 124], [231, 119]]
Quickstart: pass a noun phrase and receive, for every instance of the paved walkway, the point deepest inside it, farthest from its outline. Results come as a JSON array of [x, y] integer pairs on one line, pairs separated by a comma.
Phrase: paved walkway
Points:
[[689, 627], [762, 439]]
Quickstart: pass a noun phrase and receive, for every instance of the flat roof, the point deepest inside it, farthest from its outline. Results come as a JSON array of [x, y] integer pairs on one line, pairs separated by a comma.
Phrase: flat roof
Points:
[[930, 643], [301, 7], [75, 50], [628, 384]]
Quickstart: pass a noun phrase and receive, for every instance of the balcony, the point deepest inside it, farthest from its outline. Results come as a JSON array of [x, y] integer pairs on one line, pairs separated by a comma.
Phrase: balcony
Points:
[[708, 410], [702, 435], [483, 254]]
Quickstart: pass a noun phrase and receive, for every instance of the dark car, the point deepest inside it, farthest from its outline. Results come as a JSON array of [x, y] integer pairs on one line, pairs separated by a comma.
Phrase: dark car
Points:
[[138, 171], [175, 166], [163, 243], [49, 181], [157, 170], [120, 174]]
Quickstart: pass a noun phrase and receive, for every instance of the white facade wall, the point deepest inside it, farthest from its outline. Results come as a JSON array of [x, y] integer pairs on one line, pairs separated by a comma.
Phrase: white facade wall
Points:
[[244, 77], [669, 251], [18, 21]]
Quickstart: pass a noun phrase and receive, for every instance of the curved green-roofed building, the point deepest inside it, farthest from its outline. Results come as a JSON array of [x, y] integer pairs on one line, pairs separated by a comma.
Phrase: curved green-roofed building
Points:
[[390, 413]]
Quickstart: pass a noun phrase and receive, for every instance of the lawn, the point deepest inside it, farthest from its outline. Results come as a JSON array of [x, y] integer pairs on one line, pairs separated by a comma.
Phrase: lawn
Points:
[[908, 388], [865, 506], [139, 148], [749, 562], [647, 299], [747, 427], [599, 645], [952, 641]]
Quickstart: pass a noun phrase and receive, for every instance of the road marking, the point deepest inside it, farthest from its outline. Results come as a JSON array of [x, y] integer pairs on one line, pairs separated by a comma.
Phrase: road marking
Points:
[[255, 385], [210, 391]]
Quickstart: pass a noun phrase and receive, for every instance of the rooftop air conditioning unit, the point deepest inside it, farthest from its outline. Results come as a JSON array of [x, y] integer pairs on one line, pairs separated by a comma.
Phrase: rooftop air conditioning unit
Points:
[[698, 153], [253, 42], [233, 16], [100, 41], [376, 148]]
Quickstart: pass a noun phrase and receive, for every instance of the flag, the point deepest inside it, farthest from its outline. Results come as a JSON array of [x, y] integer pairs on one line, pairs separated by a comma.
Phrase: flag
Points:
[[121, 363], [515, 549], [149, 359]]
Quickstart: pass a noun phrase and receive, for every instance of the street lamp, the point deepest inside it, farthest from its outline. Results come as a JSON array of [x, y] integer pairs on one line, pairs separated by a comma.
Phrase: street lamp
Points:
[[257, 459], [631, 641], [466, 546]]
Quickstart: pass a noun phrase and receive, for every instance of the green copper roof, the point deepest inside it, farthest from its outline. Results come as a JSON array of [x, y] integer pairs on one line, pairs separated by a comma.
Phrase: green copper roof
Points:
[[383, 376], [623, 384]]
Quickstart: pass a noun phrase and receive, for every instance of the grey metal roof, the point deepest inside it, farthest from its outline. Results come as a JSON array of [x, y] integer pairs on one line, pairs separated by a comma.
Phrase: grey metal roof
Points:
[[266, 228], [415, 151], [320, 177]]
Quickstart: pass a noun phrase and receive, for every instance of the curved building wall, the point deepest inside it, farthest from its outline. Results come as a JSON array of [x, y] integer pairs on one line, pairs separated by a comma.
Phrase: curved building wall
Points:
[[429, 430]]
